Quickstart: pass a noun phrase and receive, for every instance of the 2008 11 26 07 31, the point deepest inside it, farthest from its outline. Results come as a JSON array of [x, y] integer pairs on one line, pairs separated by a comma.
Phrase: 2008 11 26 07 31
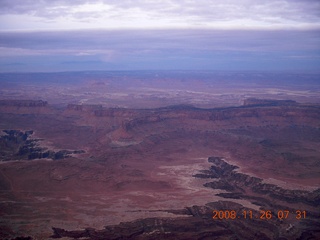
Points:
[[263, 214]]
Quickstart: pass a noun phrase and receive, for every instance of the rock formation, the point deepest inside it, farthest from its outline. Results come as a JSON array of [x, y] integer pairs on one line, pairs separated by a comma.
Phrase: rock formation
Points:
[[139, 173]]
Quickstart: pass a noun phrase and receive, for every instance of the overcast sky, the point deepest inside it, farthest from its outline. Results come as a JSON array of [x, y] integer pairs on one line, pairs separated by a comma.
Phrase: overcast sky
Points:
[[58, 35]]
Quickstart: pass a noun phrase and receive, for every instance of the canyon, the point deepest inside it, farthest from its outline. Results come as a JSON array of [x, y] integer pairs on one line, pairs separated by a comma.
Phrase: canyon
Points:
[[92, 171]]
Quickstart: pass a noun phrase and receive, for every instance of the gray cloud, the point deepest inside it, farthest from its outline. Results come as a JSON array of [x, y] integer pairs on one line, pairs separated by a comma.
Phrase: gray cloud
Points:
[[163, 39], [31, 6], [192, 11]]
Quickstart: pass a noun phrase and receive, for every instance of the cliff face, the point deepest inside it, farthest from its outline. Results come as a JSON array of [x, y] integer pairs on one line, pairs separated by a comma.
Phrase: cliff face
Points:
[[229, 116], [24, 106], [131, 124], [270, 112], [23, 103], [261, 110], [17, 145], [239, 184]]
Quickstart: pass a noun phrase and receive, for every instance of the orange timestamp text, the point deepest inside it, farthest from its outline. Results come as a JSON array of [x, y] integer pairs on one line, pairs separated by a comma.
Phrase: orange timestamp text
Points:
[[263, 214]]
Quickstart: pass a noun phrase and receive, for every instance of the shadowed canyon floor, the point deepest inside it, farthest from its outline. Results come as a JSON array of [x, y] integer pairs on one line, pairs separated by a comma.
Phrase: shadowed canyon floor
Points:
[[91, 172]]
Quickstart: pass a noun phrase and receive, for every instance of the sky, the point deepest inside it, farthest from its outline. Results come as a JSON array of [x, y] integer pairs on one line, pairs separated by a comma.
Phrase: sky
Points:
[[61, 35]]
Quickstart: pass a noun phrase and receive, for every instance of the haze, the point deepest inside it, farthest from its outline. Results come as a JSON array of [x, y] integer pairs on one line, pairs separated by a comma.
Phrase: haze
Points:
[[51, 36]]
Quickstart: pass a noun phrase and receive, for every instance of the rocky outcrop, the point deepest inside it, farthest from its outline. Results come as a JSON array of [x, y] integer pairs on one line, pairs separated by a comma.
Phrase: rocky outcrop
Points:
[[23, 103], [238, 183], [24, 107], [17, 145]]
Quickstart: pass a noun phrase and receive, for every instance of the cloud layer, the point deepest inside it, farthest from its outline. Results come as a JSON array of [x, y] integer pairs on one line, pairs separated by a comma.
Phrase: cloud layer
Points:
[[60, 35], [110, 14]]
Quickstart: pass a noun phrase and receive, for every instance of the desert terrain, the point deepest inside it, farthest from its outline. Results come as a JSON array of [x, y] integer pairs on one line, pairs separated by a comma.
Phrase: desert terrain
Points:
[[160, 155]]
